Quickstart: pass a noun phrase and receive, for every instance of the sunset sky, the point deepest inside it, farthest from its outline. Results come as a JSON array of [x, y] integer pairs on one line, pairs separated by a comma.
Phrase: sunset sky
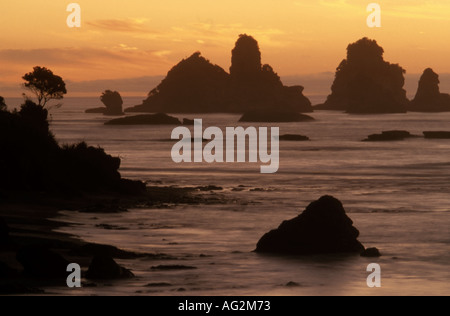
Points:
[[137, 38]]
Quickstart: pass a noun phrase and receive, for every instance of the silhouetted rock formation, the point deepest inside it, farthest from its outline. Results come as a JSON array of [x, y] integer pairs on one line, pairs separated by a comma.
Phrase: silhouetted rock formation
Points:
[[104, 267], [113, 104], [193, 86], [32, 160], [437, 135], [274, 116], [257, 87], [322, 228], [42, 263], [150, 119], [197, 86], [428, 97], [371, 253], [367, 84], [294, 138], [100, 110], [389, 136]]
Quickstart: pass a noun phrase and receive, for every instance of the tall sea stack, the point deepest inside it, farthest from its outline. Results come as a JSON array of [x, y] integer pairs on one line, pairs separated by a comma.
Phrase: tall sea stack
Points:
[[367, 84], [428, 97]]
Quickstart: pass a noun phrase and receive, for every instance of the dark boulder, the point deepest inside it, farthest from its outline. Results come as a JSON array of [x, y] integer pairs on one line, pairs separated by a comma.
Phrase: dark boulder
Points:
[[150, 119], [321, 229], [371, 253], [39, 262], [437, 135], [389, 136], [428, 97], [273, 116], [104, 267]]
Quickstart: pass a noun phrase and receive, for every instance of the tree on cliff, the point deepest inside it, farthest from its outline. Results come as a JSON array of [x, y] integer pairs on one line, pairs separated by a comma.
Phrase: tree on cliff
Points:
[[365, 83], [113, 102], [45, 85]]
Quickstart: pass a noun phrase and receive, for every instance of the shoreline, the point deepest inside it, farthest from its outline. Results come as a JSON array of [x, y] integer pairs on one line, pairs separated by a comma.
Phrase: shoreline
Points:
[[32, 223]]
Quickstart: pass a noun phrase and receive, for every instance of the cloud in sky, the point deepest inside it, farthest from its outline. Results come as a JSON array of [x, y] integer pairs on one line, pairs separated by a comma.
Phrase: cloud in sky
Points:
[[129, 25]]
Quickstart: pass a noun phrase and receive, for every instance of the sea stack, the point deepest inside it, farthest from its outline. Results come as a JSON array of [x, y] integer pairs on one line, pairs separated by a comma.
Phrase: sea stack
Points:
[[366, 84], [428, 97], [323, 228]]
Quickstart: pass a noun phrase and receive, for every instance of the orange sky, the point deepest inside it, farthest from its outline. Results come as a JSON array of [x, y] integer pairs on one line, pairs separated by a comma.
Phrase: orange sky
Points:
[[136, 38]]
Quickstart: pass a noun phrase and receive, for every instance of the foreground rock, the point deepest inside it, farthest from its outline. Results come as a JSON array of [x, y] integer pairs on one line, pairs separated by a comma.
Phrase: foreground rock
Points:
[[437, 135], [275, 117], [104, 267], [428, 97], [294, 138], [389, 136], [322, 228], [42, 263], [150, 119]]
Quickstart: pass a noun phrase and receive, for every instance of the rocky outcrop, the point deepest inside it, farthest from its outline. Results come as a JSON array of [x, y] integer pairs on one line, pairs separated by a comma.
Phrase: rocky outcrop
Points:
[[322, 228], [195, 85], [366, 84], [389, 136], [113, 104], [371, 253], [437, 135], [428, 97], [294, 138], [274, 116], [150, 119], [104, 267], [39, 262]]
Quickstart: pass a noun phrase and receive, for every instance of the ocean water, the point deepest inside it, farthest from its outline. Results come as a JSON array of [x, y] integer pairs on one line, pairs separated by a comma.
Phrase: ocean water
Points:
[[397, 194]]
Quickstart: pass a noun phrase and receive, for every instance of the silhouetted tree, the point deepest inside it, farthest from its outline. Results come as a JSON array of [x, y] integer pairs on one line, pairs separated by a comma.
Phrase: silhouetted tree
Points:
[[2, 104], [365, 83], [113, 102], [428, 97], [45, 85]]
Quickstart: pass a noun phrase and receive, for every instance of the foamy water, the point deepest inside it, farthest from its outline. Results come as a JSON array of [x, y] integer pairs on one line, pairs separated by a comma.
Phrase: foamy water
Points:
[[397, 194]]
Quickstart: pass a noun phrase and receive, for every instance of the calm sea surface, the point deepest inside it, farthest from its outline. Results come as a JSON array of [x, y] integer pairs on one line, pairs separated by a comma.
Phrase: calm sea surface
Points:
[[397, 194]]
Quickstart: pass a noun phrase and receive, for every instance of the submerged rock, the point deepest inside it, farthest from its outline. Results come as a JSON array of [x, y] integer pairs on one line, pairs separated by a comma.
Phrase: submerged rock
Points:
[[371, 253], [100, 110], [104, 267], [428, 97], [294, 138], [39, 262], [273, 116], [437, 135], [389, 136], [322, 228], [150, 119]]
